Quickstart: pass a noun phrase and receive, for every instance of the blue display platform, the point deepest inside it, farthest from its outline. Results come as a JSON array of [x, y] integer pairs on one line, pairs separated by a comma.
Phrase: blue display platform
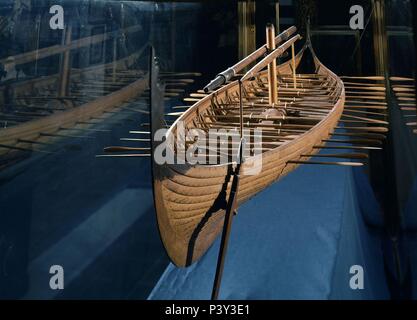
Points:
[[296, 240]]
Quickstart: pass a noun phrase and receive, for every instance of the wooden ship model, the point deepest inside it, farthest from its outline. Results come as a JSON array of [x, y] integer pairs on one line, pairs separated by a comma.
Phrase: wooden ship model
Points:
[[299, 115]]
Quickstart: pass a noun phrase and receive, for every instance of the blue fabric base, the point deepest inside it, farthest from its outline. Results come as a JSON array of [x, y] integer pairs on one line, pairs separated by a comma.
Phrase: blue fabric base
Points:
[[295, 240]]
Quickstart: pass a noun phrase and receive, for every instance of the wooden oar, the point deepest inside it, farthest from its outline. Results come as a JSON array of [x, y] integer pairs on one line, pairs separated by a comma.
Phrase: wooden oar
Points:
[[405, 94], [198, 95], [364, 84], [356, 111], [347, 164], [123, 149], [370, 120], [401, 79], [382, 98], [136, 155], [135, 139], [46, 134], [401, 89], [355, 141], [354, 156], [176, 81], [180, 74], [374, 78], [375, 136], [347, 147], [181, 107], [402, 99], [370, 129], [365, 89], [84, 129]]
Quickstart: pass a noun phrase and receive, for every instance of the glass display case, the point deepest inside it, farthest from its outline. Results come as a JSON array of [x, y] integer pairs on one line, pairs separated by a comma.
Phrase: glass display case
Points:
[[75, 81]]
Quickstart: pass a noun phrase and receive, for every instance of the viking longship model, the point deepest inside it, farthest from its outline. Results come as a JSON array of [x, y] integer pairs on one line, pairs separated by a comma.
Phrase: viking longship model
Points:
[[298, 114]]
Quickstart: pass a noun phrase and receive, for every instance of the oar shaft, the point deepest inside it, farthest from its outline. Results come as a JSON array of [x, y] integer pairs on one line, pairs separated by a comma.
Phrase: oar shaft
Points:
[[269, 58], [228, 74]]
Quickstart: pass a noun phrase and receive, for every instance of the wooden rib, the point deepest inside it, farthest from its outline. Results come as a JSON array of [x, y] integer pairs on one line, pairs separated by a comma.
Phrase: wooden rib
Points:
[[260, 117]]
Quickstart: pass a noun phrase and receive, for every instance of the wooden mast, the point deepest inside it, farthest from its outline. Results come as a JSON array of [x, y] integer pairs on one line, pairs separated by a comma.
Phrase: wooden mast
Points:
[[272, 67], [294, 66]]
